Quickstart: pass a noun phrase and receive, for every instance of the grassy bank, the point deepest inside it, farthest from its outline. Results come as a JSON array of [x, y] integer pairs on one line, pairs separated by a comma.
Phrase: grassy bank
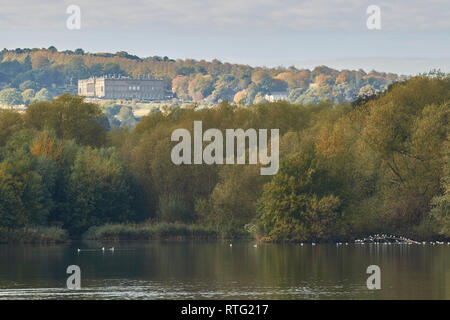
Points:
[[38, 235], [147, 231]]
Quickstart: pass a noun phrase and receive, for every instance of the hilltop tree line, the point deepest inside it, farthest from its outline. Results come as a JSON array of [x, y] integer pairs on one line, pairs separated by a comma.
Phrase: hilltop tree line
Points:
[[29, 75], [378, 165]]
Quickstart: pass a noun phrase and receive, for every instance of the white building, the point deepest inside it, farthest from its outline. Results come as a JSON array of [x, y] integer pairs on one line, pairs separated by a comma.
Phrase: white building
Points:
[[277, 95]]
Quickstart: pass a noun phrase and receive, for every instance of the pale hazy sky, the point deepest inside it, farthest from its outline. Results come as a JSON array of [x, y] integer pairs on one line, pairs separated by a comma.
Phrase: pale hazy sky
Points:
[[414, 35]]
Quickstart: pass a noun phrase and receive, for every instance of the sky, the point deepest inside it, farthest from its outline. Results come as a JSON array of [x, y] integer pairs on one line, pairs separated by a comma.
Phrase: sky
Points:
[[414, 36]]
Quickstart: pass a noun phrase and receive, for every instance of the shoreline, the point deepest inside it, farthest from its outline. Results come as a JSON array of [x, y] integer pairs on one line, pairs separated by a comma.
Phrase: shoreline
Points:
[[177, 231], [31, 236]]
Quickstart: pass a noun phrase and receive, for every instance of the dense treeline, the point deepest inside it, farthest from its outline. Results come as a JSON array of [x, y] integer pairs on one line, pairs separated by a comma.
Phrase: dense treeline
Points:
[[28, 75], [57, 170], [380, 165]]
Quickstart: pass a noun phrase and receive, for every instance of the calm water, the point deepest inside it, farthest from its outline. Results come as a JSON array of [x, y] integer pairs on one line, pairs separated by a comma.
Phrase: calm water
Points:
[[214, 270]]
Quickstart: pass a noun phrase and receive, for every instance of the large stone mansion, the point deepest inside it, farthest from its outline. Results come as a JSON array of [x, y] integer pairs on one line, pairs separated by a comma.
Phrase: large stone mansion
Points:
[[123, 88]]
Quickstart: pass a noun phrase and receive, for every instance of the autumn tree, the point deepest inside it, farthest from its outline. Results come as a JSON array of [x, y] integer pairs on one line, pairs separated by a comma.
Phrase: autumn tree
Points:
[[180, 87]]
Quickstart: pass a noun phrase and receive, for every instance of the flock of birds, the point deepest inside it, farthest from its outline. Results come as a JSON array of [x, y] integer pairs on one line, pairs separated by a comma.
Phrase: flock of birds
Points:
[[254, 246], [386, 239], [389, 239], [102, 249]]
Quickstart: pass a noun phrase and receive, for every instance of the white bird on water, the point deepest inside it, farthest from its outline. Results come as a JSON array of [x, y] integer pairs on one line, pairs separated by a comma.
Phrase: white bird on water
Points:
[[78, 250], [255, 246], [111, 249], [103, 249], [231, 244]]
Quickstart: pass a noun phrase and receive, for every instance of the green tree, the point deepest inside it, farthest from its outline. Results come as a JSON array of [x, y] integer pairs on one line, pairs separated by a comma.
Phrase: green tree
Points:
[[441, 203], [406, 129], [299, 204], [126, 117], [232, 204], [10, 122], [100, 191], [24, 199], [70, 118]]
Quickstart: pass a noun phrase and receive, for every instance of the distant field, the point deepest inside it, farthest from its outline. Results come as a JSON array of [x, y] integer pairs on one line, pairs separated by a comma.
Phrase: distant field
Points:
[[141, 109]]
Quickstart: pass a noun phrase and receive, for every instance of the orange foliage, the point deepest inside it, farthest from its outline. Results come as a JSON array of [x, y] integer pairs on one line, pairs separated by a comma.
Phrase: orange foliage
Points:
[[238, 97], [329, 143], [45, 146]]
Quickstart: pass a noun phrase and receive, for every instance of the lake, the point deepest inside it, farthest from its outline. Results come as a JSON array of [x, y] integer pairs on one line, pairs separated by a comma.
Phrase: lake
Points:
[[214, 270]]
